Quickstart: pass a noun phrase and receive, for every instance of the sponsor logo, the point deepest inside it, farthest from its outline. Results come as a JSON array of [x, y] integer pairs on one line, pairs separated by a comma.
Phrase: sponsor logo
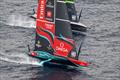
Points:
[[48, 26], [42, 10], [38, 44], [61, 48]]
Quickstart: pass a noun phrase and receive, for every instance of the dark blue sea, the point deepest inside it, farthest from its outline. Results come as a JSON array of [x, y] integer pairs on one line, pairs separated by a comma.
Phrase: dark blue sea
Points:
[[101, 45]]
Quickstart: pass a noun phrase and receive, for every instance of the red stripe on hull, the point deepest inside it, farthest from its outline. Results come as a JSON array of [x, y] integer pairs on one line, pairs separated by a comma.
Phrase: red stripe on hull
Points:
[[81, 63]]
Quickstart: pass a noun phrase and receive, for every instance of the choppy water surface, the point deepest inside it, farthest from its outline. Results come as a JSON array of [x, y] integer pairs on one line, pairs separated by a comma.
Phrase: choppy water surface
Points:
[[101, 46]]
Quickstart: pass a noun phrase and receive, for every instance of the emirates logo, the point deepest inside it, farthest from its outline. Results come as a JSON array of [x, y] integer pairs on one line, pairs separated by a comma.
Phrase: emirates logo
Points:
[[42, 9]]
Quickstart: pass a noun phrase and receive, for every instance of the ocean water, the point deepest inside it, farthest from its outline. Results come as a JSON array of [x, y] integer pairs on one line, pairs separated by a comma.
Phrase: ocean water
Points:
[[101, 46]]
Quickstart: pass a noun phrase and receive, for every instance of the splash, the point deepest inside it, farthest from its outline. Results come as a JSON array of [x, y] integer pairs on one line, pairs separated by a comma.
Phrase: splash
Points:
[[21, 21], [24, 59]]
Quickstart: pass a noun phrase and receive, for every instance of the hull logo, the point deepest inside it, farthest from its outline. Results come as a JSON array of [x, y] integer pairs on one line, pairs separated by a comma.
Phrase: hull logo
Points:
[[61, 48], [42, 10]]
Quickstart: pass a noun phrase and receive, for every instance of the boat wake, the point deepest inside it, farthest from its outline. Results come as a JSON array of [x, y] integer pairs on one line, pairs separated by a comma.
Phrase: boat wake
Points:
[[21, 21], [19, 59], [17, 20]]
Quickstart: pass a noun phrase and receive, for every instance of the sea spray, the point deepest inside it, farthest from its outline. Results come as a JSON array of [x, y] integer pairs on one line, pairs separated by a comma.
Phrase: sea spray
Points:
[[25, 59], [21, 21]]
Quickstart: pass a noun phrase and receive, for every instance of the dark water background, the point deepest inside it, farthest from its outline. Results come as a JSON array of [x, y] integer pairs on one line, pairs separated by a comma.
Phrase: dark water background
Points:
[[101, 46]]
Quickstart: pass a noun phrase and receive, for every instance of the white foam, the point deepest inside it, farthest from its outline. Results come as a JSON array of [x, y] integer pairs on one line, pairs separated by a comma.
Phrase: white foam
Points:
[[21, 21], [21, 60]]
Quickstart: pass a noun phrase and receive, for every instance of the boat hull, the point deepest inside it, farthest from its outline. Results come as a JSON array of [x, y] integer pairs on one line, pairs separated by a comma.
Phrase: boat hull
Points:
[[57, 59]]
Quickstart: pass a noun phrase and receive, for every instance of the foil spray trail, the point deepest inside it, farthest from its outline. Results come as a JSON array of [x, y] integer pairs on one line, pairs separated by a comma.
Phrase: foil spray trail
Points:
[[21, 21], [18, 20], [20, 59]]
